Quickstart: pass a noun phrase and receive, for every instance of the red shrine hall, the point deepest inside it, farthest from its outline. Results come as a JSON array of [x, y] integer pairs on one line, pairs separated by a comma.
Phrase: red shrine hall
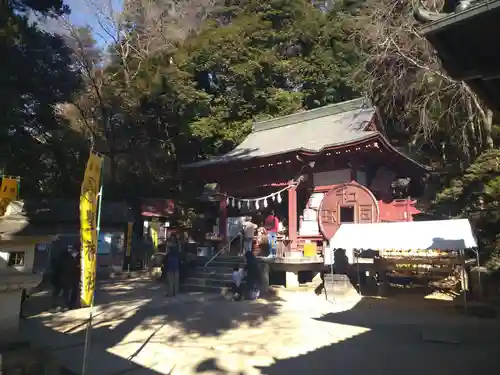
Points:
[[316, 169]]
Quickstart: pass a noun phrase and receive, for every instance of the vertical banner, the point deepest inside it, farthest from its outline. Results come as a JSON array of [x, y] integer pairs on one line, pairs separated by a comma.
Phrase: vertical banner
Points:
[[129, 239], [88, 226], [8, 192], [155, 232]]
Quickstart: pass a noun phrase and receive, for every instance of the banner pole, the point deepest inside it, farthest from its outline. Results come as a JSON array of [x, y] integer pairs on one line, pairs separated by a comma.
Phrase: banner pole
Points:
[[89, 323]]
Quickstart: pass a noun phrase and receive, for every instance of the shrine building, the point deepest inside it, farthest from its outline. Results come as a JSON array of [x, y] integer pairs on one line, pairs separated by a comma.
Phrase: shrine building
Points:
[[332, 164]]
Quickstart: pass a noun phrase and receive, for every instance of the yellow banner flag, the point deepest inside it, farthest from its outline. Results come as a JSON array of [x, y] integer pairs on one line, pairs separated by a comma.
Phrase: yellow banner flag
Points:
[[129, 238], [8, 193], [88, 226], [155, 229]]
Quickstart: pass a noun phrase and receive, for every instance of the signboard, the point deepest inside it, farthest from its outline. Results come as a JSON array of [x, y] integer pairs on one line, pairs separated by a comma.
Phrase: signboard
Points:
[[157, 207], [88, 226], [104, 245], [8, 193]]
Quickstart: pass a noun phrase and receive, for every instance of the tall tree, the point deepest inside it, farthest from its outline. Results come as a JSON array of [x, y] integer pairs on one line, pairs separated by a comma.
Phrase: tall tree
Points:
[[258, 59], [35, 74]]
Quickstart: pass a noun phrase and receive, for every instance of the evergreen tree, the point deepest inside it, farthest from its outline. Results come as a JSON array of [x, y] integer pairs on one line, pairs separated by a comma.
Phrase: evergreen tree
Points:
[[35, 75]]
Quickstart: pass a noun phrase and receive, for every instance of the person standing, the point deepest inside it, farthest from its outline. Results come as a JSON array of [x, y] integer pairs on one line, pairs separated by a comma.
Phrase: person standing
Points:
[[172, 264], [248, 232], [61, 279], [75, 279], [272, 226], [253, 275]]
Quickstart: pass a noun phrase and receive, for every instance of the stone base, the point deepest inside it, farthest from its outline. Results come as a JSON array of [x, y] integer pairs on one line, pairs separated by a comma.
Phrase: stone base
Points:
[[338, 286], [292, 279], [264, 278], [9, 316]]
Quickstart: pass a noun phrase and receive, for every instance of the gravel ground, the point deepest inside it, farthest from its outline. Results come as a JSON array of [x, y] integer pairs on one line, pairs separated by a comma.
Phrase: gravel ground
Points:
[[137, 330]]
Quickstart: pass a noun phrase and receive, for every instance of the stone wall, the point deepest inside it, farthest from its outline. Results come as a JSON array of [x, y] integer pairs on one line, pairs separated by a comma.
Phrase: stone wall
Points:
[[29, 256], [9, 315]]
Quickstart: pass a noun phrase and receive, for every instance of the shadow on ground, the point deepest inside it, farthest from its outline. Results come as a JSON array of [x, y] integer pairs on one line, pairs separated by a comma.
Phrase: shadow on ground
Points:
[[402, 338], [133, 314], [410, 336], [139, 331]]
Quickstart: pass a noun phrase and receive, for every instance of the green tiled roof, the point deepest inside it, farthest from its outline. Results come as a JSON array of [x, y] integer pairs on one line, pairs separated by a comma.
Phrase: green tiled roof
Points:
[[312, 131]]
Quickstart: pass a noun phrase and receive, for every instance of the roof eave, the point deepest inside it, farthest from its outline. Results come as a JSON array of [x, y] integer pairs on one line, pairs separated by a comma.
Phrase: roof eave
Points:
[[462, 16], [294, 151], [369, 137], [389, 146]]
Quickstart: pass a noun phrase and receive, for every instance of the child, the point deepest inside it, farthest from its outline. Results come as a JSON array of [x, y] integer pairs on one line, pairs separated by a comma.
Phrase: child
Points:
[[237, 277]]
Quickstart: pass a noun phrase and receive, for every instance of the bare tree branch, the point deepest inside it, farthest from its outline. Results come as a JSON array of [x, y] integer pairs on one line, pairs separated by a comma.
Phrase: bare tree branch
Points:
[[402, 74]]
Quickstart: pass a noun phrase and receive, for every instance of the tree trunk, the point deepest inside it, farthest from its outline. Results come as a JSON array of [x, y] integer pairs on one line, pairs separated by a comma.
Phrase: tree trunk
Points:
[[487, 126]]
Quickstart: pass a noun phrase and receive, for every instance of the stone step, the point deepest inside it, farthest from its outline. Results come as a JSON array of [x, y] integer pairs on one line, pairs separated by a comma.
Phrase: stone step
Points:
[[220, 267], [229, 258], [225, 291], [231, 262], [209, 269], [217, 274], [208, 282]]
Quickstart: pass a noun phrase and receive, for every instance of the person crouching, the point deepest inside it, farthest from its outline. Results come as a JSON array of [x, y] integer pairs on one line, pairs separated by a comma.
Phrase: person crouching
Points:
[[237, 278]]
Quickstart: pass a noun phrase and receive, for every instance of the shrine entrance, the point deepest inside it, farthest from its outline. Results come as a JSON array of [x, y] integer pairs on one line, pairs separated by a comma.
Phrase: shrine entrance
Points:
[[346, 203]]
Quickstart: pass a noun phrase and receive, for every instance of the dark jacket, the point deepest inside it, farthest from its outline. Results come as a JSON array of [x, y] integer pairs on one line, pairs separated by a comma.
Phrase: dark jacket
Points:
[[252, 268], [65, 270], [172, 261]]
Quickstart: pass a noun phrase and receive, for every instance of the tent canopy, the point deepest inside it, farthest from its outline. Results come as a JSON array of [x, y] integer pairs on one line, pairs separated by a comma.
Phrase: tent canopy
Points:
[[437, 234]]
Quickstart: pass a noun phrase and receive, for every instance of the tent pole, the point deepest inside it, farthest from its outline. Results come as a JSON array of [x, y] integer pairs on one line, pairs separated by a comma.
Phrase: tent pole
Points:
[[462, 283], [357, 267], [331, 270], [479, 283]]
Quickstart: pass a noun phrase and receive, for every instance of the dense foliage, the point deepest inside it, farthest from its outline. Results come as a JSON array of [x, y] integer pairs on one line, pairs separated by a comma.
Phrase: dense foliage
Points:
[[35, 75], [476, 195]]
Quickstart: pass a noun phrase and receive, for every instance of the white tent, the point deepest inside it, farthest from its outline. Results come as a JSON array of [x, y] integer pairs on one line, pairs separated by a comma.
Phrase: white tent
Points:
[[439, 234]]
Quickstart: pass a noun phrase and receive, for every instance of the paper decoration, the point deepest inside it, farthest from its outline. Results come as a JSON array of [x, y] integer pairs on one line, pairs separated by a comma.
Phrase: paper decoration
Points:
[[261, 201]]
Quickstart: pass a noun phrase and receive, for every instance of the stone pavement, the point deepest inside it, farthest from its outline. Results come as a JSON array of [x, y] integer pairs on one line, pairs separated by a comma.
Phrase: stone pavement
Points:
[[137, 331]]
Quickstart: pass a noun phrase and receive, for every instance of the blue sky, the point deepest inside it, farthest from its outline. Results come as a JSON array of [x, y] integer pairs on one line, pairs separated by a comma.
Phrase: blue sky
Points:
[[82, 14]]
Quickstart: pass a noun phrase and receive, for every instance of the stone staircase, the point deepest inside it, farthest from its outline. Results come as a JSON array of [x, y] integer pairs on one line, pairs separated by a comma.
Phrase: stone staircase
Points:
[[215, 278]]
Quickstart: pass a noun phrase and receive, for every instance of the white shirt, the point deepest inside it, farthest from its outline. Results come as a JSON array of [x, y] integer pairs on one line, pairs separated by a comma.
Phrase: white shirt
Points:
[[249, 229], [237, 277]]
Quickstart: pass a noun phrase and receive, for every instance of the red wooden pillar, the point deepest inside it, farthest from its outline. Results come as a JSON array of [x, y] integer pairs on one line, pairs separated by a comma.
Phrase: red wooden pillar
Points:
[[292, 218], [223, 218]]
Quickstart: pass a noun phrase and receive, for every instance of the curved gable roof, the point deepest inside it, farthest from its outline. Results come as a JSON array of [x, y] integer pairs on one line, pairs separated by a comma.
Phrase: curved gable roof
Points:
[[312, 131]]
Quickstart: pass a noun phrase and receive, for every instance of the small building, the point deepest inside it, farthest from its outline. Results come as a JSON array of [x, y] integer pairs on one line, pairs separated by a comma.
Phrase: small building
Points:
[[157, 214], [33, 232], [465, 36], [330, 165]]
